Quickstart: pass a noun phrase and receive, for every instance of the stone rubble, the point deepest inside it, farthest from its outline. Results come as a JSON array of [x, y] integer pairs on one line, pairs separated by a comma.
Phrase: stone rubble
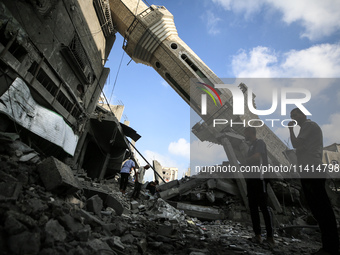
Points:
[[95, 218]]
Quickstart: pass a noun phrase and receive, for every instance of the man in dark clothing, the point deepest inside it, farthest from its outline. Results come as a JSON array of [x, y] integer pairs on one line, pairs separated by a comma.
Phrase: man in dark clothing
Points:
[[152, 187], [309, 146], [257, 187]]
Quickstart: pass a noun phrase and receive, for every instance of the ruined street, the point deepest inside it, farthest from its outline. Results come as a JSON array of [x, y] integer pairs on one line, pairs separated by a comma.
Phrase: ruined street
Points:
[[45, 209]]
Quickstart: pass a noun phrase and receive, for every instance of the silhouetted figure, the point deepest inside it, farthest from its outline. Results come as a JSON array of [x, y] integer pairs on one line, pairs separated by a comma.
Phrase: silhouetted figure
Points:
[[309, 146]]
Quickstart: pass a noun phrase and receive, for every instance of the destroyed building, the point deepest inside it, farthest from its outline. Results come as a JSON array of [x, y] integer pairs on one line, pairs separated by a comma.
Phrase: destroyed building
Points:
[[52, 74]]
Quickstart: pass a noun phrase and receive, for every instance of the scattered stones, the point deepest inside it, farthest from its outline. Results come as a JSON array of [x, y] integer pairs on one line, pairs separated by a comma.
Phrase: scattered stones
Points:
[[38, 219]]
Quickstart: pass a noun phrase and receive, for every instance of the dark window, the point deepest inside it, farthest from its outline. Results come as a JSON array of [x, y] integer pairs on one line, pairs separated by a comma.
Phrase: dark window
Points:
[[17, 50], [43, 78], [174, 46]]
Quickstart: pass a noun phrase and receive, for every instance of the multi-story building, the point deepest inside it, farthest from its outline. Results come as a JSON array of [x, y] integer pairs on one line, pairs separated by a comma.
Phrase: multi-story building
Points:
[[169, 173], [52, 57]]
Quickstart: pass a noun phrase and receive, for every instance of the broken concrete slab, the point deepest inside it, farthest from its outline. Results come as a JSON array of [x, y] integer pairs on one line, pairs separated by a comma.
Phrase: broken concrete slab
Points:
[[211, 184], [128, 238], [70, 223], [54, 231], [94, 204], [168, 185], [90, 219], [57, 176], [169, 193], [227, 187], [210, 196], [201, 212], [112, 202], [13, 226], [115, 243], [134, 205], [10, 191], [96, 245], [192, 183], [108, 200], [24, 243]]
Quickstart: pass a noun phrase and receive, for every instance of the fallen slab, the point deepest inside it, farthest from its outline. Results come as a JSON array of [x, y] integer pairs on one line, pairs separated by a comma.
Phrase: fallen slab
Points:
[[168, 185], [109, 200], [201, 212], [227, 187], [58, 177]]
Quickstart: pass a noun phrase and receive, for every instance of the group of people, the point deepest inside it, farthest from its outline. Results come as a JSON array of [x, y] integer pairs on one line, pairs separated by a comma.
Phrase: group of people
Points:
[[309, 145], [129, 167]]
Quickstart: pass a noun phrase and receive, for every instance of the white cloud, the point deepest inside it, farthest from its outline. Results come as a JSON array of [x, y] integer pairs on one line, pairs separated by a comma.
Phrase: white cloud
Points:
[[258, 63], [319, 18], [319, 61], [211, 22], [181, 148], [330, 131], [205, 153]]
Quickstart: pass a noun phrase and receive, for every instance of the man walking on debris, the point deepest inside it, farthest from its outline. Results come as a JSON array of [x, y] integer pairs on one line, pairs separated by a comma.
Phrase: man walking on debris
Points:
[[139, 176], [257, 187], [309, 146], [125, 172]]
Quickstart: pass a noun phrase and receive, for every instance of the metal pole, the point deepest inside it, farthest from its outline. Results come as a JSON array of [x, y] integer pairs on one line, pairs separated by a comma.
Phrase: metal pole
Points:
[[146, 161]]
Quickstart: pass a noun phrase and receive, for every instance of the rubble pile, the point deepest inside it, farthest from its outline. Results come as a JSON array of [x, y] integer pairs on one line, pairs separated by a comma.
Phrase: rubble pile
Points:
[[45, 208]]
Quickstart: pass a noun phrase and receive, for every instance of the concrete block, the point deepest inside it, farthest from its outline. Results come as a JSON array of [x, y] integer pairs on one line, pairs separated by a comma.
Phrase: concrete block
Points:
[[57, 176], [90, 219], [189, 185], [94, 204], [54, 231], [211, 184], [134, 205], [70, 223], [201, 212], [142, 208], [165, 230], [24, 243], [96, 244], [210, 196], [169, 193], [10, 191], [109, 200], [168, 185], [227, 187], [115, 243], [128, 238]]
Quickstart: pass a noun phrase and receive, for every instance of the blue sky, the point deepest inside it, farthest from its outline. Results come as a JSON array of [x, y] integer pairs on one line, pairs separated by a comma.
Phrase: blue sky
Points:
[[249, 38]]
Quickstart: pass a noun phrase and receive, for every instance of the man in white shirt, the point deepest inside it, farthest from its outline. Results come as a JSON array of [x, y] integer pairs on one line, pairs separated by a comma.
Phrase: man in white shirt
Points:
[[139, 176]]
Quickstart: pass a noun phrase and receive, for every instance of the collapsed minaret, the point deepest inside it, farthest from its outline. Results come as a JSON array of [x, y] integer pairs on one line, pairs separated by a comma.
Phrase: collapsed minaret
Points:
[[151, 38]]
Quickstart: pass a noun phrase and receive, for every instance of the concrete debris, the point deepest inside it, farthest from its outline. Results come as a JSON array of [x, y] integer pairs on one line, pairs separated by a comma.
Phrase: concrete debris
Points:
[[201, 212], [94, 204], [57, 176], [205, 217]]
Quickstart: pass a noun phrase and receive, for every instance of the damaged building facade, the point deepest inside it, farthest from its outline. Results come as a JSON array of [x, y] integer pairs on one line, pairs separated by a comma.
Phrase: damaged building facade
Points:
[[52, 57]]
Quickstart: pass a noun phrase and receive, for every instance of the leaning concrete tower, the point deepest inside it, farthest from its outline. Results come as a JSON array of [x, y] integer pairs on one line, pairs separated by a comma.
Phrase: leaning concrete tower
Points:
[[151, 38]]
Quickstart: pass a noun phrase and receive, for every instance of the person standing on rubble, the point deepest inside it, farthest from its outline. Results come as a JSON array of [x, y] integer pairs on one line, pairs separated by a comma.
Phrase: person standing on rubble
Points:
[[125, 172], [139, 176], [309, 147], [257, 187]]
